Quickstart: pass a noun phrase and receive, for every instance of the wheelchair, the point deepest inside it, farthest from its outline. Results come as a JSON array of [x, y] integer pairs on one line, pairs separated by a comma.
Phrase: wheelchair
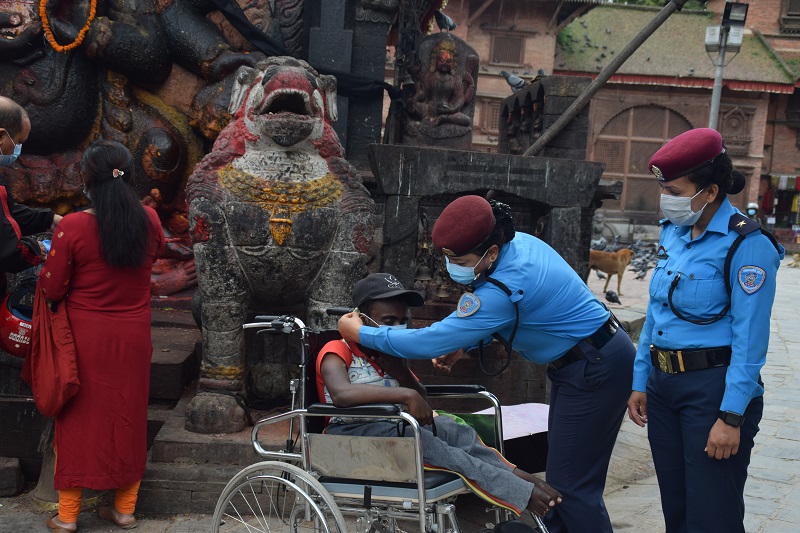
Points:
[[318, 479]]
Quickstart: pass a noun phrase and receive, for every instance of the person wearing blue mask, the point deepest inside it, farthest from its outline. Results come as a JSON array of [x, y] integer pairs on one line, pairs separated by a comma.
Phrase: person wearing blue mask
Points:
[[528, 297], [752, 211], [349, 375], [696, 380], [18, 249]]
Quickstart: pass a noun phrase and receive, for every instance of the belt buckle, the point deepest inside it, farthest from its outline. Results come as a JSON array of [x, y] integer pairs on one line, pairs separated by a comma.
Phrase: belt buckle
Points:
[[681, 368], [664, 362]]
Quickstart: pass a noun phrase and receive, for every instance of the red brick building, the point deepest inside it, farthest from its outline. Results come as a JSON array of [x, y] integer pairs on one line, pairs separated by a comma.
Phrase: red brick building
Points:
[[660, 91], [665, 89]]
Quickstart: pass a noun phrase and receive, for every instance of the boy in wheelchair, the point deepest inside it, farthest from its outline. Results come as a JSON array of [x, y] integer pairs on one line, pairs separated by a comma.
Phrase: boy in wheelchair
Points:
[[349, 375]]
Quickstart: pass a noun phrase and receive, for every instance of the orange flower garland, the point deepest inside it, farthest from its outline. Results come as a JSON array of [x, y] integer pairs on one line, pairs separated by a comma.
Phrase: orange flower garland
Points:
[[81, 34]]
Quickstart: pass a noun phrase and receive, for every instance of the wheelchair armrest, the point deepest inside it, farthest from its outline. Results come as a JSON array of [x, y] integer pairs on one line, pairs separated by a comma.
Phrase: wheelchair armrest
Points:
[[379, 409], [434, 390]]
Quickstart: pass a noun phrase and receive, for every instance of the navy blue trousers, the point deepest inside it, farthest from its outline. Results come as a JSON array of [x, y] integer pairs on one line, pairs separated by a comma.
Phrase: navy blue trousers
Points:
[[588, 400], [698, 494]]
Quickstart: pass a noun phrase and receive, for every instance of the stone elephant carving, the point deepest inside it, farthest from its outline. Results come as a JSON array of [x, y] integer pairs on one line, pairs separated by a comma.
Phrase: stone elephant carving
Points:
[[280, 221]]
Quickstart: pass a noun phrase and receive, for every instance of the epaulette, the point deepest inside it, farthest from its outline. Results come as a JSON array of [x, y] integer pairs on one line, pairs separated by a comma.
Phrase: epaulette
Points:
[[742, 224]]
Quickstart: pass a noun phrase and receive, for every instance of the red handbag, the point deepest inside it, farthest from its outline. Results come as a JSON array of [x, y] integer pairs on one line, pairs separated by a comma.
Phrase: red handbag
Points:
[[51, 366]]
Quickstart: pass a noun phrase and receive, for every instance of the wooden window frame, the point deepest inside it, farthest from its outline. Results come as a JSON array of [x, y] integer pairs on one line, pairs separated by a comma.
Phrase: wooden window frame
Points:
[[487, 105], [790, 18], [508, 35]]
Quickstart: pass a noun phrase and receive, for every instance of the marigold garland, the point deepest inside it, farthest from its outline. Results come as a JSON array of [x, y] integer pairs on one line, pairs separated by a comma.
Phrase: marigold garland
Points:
[[48, 33]]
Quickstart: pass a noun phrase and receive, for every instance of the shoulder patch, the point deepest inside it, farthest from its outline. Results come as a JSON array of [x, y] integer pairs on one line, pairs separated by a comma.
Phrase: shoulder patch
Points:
[[751, 278], [742, 224], [468, 305]]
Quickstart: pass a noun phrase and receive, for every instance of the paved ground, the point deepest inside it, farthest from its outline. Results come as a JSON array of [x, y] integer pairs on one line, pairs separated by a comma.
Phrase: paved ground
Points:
[[772, 493]]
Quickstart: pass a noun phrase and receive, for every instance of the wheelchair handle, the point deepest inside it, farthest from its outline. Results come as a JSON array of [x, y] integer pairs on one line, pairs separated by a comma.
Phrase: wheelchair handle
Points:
[[338, 311], [284, 323]]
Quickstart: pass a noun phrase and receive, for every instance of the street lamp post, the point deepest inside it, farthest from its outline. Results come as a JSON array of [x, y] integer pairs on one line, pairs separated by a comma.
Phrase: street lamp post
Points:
[[727, 37]]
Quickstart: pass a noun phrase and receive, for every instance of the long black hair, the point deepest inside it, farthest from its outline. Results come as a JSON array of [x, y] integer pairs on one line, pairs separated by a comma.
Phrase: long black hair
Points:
[[503, 231], [721, 173], [107, 168]]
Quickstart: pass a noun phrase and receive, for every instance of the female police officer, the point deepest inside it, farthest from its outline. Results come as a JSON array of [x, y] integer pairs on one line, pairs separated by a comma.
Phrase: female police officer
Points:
[[526, 294], [705, 337]]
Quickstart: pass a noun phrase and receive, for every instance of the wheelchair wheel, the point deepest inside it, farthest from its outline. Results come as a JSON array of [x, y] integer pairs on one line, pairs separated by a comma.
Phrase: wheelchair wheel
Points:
[[276, 497]]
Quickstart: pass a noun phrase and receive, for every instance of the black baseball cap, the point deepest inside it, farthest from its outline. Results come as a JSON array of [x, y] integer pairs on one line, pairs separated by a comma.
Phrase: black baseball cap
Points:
[[381, 285]]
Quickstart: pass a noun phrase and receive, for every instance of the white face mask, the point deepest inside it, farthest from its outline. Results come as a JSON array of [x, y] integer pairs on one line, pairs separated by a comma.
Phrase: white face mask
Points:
[[678, 209]]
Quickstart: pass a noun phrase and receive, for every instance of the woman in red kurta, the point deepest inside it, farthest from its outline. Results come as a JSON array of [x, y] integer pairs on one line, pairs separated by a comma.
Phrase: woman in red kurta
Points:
[[99, 267]]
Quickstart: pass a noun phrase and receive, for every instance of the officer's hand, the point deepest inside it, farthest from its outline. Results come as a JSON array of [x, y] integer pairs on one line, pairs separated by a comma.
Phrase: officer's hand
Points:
[[56, 220], [637, 408], [723, 441], [349, 325], [446, 362], [419, 408]]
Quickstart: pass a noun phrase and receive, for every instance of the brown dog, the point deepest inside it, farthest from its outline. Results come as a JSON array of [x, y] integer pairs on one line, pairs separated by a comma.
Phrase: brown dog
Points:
[[611, 263]]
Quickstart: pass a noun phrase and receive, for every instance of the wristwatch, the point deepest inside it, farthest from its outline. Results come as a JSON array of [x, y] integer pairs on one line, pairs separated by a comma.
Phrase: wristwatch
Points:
[[732, 419]]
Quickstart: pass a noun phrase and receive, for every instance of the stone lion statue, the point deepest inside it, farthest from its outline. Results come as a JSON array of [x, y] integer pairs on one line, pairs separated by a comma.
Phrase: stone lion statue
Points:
[[280, 223]]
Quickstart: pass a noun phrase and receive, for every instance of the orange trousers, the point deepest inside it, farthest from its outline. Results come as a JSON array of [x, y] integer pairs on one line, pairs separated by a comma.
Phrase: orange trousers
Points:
[[69, 501]]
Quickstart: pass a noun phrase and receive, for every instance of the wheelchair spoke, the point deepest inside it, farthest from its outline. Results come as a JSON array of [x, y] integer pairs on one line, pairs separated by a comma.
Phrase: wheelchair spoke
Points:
[[264, 501]]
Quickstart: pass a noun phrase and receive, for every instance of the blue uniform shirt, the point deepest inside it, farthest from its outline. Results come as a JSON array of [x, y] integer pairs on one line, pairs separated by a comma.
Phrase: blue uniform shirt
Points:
[[701, 293], [556, 310]]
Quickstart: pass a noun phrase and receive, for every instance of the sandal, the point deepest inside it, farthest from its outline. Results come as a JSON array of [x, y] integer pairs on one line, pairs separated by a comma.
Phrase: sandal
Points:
[[107, 513], [55, 528]]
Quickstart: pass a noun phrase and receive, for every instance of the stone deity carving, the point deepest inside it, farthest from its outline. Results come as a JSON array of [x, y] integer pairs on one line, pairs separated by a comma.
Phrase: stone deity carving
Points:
[[120, 84], [441, 104]]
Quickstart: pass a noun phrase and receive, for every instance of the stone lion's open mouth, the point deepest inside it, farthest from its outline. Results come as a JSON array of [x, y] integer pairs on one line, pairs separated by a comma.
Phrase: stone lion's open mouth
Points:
[[287, 101]]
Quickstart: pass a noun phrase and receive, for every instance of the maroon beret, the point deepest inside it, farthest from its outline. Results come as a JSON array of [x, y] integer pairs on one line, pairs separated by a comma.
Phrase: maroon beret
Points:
[[686, 153], [464, 225]]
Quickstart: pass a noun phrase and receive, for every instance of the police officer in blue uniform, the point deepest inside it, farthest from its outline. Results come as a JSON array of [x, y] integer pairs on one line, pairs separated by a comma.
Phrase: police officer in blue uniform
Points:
[[529, 298], [696, 380]]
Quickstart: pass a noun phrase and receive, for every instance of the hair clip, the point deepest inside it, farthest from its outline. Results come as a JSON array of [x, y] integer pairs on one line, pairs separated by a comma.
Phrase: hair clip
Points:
[[117, 173]]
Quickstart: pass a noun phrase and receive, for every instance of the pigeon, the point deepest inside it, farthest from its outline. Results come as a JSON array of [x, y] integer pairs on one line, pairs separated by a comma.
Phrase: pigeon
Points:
[[612, 297], [514, 81], [600, 275], [642, 273], [443, 21]]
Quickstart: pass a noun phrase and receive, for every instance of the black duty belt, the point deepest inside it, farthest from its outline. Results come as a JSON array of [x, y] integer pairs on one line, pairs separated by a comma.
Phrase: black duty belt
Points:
[[598, 339], [677, 361]]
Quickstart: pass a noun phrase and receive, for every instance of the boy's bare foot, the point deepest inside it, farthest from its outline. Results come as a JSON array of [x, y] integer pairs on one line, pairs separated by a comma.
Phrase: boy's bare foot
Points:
[[543, 496]]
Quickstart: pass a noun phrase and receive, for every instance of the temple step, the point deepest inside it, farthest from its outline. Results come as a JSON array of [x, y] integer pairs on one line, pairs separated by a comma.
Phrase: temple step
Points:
[[176, 354]]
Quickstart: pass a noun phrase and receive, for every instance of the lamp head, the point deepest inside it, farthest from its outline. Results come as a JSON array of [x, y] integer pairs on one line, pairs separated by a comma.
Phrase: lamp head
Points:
[[734, 15]]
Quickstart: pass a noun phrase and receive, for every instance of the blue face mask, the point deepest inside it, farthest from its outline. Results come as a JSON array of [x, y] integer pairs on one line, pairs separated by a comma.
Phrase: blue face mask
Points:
[[6, 160], [462, 274]]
